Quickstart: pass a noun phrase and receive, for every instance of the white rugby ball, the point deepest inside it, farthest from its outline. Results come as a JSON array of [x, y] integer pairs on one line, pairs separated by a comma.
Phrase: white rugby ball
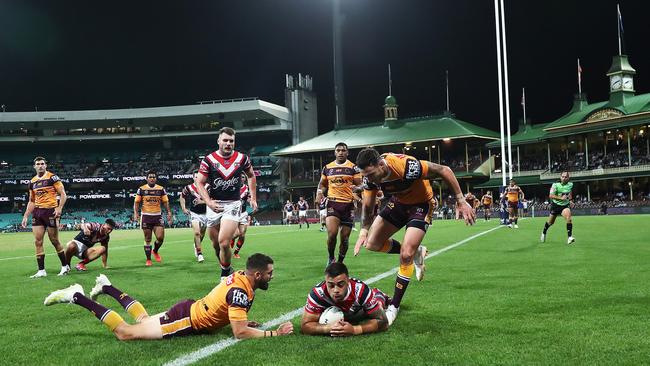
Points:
[[331, 315]]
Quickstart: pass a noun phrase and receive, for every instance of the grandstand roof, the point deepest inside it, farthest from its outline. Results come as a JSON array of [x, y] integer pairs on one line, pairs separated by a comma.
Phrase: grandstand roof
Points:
[[376, 134], [526, 134]]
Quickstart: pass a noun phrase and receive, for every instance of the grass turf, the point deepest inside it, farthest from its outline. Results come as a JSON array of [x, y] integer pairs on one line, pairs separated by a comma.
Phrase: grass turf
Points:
[[502, 298]]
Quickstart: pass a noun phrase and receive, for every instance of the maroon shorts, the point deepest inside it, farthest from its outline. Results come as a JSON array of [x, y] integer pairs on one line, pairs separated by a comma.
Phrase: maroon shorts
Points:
[[410, 215], [513, 205], [151, 221], [343, 210], [44, 217], [487, 207], [176, 321]]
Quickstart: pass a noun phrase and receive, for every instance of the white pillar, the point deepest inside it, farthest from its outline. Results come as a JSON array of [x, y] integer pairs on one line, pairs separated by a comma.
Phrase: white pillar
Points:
[[586, 154], [518, 162], [629, 151], [548, 148], [588, 193]]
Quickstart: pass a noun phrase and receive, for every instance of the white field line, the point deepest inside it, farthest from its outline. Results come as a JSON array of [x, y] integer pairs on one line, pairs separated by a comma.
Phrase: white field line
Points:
[[206, 351]]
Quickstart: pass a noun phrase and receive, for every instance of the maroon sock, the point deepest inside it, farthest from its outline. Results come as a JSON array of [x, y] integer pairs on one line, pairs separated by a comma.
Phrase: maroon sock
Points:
[[124, 299], [85, 261], [147, 251], [40, 261], [395, 247], [400, 287], [97, 309], [156, 246], [62, 258]]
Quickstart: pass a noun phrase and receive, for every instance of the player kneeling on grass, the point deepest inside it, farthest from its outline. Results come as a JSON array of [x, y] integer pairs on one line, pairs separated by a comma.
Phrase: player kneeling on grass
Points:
[[360, 304], [228, 303], [82, 245]]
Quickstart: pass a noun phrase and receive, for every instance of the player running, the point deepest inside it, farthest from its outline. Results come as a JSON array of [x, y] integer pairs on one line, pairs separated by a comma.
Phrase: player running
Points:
[[486, 201], [303, 206], [227, 303], [514, 194], [411, 204], [244, 218], [339, 179], [322, 211], [82, 245], [46, 210], [190, 195], [223, 169], [288, 212], [561, 196], [362, 306], [152, 196]]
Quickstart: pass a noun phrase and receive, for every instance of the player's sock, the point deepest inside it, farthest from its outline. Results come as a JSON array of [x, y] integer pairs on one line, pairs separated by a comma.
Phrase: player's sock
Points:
[[307, 222], [330, 251], [132, 306], [64, 261], [343, 250], [225, 269], [197, 251], [156, 246], [516, 219], [40, 261], [147, 251], [402, 282], [569, 228], [85, 261], [546, 226], [391, 246], [232, 242], [110, 318], [240, 243]]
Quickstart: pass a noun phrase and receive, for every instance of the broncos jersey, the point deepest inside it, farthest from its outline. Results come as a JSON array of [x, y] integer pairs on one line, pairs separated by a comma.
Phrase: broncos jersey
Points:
[[338, 179], [405, 181], [42, 190]]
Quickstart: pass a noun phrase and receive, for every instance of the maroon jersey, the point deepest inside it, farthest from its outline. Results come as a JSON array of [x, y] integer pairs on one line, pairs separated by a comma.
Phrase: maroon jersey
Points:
[[191, 195], [303, 205], [360, 297], [223, 174]]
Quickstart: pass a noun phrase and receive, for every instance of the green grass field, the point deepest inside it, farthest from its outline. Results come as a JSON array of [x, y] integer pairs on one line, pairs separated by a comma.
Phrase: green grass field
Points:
[[501, 298]]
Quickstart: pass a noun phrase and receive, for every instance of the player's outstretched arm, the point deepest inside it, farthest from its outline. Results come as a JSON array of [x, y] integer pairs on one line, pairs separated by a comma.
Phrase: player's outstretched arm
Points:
[[309, 325], [436, 170], [369, 200], [242, 330]]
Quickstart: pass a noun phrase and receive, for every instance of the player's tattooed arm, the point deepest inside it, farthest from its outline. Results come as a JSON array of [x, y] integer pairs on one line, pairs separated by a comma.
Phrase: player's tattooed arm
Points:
[[309, 325]]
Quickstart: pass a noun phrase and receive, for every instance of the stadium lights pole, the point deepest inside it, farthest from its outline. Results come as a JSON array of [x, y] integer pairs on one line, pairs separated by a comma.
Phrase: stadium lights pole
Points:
[[505, 80], [339, 95], [501, 127]]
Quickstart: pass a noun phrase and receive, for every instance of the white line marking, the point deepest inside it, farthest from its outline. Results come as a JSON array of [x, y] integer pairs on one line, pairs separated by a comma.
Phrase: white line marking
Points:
[[206, 351]]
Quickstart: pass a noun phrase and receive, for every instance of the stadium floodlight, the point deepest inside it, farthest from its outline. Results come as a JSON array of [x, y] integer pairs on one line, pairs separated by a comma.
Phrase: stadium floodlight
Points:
[[446, 139]]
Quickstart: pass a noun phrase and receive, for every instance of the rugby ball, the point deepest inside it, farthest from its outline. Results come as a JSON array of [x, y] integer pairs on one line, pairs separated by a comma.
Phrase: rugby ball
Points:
[[331, 315]]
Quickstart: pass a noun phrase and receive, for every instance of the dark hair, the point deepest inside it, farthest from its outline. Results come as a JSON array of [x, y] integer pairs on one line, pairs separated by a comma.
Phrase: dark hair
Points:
[[366, 157], [152, 172], [39, 158], [335, 269], [195, 171], [111, 222], [341, 144], [227, 131], [258, 262]]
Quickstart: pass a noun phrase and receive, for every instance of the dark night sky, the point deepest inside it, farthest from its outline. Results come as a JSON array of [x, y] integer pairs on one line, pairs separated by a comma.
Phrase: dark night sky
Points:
[[64, 55]]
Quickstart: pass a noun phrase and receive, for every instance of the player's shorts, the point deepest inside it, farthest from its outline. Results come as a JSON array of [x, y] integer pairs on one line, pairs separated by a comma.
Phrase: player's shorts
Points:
[[176, 321], [289, 215], [417, 215], [487, 206], [202, 219], [243, 218], [44, 217], [231, 212], [82, 242], [514, 205], [302, 213], [151, 221], [343, 210], [557, 209]]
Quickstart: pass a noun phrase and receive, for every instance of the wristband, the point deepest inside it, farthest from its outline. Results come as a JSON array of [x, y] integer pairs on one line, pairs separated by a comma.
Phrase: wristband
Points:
[[357, 329]]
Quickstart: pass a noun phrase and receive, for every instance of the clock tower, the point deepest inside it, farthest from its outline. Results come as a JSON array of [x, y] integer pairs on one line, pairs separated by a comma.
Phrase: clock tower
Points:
[[621, 80]]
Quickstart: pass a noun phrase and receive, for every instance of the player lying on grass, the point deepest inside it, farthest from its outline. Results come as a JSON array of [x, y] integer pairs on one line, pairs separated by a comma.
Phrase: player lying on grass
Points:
[[82, 245], [228, 303], [362, 306]]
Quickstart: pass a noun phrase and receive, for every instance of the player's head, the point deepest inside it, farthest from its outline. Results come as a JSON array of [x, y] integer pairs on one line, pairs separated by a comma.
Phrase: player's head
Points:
[[512, 182], [152, 177], [260, 267], [226, 141], [40, 164], [302, 198], [108, 226], [371, 165], [489, 193], [341, 152], [288, 202], [564, 177], [337, 279]]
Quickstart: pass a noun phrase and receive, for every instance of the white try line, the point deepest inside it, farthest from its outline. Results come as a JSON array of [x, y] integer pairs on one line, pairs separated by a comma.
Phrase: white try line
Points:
[[206, 351], [140, 245]]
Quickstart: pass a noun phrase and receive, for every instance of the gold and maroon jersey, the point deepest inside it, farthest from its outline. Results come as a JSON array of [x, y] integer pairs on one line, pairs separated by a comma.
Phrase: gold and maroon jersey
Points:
[[471, 199], [512, 192], [339, 179], [230, 300], [487, 199], [405, 181], [152, 198], [42, 190]]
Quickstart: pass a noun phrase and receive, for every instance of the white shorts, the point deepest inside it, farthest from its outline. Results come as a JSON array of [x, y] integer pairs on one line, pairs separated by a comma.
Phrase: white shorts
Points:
[[289, 215], [81, 249], [202, 219], [302, 213], [231, 212], [323, 212], [243, 218]]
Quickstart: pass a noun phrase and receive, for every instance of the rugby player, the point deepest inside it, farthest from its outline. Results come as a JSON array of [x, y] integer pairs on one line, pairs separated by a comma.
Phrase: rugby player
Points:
[[82, 245], [411, 204], [322, 211], [222, 169], [288, 212], [561, 196], [152, 196], [339, 179], [244, 218], [227, 303], [514, 194], [196, 212], [486, 200], [46, 213], [362, 306], [303, 206]]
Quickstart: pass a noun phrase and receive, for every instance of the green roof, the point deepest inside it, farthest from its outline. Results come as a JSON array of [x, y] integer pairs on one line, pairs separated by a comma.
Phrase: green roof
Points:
[[390, 101], [521, 181], [376, 134], [529, 133]]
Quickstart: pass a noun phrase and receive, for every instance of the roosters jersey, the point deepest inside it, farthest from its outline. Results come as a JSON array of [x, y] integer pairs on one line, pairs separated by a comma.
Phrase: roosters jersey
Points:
[[359, 297], [322, 204], [224, 174], [191, 195], [244, 194], [288, 207], [42, 190], [338, 179], [512, 193], [96, 235], [303, 205], [230, 300], [405, 181], [152, 198]]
